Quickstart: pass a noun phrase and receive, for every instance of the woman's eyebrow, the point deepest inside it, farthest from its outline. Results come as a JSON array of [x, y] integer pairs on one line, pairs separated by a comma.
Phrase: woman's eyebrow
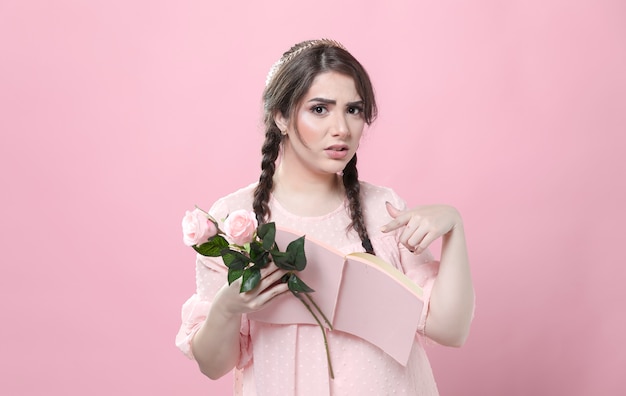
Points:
[[334, 102], [323, 100]]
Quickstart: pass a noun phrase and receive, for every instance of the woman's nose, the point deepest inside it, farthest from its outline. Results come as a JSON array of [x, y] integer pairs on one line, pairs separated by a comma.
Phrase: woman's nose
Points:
[[340, 126]]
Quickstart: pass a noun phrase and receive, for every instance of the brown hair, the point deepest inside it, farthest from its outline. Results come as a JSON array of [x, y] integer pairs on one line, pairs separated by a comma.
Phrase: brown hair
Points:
[[287, 84]]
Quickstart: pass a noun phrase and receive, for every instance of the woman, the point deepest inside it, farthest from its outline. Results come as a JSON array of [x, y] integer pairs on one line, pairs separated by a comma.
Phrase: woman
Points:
[[317, 101]]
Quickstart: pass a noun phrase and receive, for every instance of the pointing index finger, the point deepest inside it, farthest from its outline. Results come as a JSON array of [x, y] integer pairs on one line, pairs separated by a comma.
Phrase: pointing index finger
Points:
[[393, 225]]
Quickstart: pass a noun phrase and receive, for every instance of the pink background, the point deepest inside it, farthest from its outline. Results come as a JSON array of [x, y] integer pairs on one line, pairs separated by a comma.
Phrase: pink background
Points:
[[117, 116]]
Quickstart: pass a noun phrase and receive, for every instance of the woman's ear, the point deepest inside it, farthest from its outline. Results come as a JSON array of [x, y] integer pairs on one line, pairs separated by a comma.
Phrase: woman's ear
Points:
[[281, 122]]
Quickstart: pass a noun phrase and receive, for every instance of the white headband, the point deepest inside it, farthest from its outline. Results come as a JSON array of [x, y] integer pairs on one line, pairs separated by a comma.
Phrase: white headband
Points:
[[288, 57]]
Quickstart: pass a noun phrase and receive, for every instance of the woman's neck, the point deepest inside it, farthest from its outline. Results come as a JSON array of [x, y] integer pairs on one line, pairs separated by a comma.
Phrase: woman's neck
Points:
[[309, 194]]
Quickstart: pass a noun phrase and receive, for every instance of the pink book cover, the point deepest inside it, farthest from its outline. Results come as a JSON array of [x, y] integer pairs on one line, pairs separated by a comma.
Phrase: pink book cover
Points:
[[359, 293]]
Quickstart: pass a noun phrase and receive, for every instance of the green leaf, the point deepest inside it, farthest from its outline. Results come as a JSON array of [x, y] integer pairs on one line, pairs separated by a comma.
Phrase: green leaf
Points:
[[262, 260], [256, 249], [234, 259], [250, 280], [296, 285], [213, 247], [283, 260], [258, 255], [267, 233], [265, 229], [296, 250], [270, 236], [234, 274]]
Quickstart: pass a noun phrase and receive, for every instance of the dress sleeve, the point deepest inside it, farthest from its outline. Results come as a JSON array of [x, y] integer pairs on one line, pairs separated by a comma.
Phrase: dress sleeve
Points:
[[421, 268], [211, 275]]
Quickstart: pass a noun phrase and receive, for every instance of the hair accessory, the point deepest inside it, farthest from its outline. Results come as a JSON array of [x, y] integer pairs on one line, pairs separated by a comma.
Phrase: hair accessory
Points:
[[289, 56]]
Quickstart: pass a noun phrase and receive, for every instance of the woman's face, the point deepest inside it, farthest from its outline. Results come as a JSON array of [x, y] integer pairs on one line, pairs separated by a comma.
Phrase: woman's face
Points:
[[329, 123]]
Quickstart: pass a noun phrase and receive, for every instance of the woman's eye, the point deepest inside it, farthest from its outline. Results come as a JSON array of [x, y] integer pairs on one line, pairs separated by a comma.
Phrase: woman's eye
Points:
[[319, 109], [354, 110]]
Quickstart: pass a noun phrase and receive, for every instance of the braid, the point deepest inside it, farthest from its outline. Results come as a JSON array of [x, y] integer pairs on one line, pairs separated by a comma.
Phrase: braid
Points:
[[270, 150], [287, 83], [353, 192]]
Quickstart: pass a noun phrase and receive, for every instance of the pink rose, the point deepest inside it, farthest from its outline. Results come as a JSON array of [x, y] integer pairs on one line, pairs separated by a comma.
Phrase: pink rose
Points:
[[197, 227], [240, 226]]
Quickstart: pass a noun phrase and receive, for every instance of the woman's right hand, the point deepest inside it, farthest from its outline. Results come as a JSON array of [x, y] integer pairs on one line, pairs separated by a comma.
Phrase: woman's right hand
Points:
[[216, 345], [231, 301]]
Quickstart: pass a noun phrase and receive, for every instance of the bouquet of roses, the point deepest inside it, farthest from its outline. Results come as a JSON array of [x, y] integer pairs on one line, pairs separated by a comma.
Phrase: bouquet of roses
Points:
[[247, 247]]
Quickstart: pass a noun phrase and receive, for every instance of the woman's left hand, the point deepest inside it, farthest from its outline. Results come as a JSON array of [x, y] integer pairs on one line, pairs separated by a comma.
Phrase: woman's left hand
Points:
[[422, 224]]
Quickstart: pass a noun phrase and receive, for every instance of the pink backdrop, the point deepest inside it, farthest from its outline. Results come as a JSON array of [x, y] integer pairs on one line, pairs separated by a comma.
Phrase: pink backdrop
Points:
[[117, 116]]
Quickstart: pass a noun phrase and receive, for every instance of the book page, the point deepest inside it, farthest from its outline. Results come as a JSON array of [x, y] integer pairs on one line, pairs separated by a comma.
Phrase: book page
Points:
[[378, 307]]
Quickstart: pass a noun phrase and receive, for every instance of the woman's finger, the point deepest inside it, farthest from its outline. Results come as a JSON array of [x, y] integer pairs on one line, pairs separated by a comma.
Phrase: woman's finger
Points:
[[425, 242], [417, 238], [400, 218], [269, 270], [273, 277], [269, 288], [272, 293]]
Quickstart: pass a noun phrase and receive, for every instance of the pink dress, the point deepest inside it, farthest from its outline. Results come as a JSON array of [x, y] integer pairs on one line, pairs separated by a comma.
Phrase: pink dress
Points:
[[291, 359]]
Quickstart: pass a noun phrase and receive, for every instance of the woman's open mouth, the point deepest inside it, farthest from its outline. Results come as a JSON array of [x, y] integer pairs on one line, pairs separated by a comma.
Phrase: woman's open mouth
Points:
[[337, 151]]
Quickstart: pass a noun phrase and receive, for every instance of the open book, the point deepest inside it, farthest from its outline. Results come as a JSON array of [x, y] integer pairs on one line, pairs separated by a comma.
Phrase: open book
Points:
[[359, 293]]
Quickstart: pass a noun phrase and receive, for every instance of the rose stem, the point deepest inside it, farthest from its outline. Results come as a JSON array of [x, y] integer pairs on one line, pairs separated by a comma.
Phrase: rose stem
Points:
[[330, 365], [330, 326]]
